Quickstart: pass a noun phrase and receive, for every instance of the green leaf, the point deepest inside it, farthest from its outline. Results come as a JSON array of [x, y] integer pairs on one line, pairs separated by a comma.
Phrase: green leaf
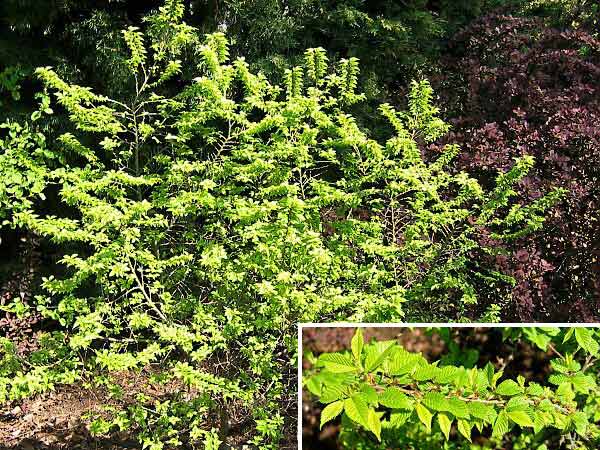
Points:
[[535, 389], [357, 344], [541, 420], [568, 335], [314, 385], [402, 362], [458, 408], [580, 421], [464, 428], [369, 393], [583, 383], [397, 419], [331, 411], [337, 363], [395, 399], [565, 393], [559, 379], [376, 357], [521, 418], [509, 388], [357, 410], [517, 403], [482, 411], [424, 415], [374, 424], [489, 372], [585, 339], [500, 427], [565, 365], [332, 392], [436, 401], [561, 421], [445, 424], [539, 338], [425, 373], [446, 374]]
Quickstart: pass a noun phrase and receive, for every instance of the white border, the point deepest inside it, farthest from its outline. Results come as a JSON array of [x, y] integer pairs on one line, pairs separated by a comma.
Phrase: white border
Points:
[[301, 326]]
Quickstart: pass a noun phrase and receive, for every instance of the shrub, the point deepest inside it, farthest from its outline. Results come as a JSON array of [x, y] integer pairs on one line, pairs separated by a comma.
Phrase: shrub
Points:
[[391, 398], [201, 226]]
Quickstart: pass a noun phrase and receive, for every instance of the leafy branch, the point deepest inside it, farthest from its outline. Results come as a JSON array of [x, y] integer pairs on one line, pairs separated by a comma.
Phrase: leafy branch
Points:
[[380, 386]]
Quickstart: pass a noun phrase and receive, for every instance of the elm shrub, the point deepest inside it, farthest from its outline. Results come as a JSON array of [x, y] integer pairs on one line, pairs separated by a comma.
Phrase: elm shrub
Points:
[[201, 225]]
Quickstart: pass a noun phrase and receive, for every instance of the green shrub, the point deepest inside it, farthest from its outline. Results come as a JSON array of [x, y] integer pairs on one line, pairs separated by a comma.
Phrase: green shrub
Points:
[[206, 224]]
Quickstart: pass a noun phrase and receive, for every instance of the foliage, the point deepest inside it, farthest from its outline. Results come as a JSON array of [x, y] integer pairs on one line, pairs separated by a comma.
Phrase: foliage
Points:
[[204, 224], [575, 14], [530, 89], [401, 399], [81, 38]]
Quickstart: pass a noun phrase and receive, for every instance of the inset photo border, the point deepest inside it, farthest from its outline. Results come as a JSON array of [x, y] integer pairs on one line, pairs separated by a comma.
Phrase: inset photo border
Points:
[[420, 386]]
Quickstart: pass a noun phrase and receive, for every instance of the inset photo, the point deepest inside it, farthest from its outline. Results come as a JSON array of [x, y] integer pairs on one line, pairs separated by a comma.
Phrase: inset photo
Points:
[[449, 387]]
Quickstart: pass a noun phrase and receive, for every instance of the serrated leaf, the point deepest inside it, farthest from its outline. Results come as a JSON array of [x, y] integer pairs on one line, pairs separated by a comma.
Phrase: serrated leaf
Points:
[[538, 337], [581, 423], [558, 379], [521, 418], [464, 428], [545, 405], [458, 408], [583, 383], [517, 403], [369, 393], [500, 427], [496, 377], [425, 373], [446, 374], [314, 385], [535, 389], [479, 424], [561, 366], [552, 331], [357, 344], [461, 379], [482, 382], [541, 419], [374, 424], [481, 411], [424, 415], [565, 393], [489, 372], [395, 399], [357, 410], [397, 419], [377, 354], [585, 339], [331, 411], [560, 420], [509, 388], [401, 362], [337, 363], [568, 335], [331, 393], [445, 424], [436, 401]]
